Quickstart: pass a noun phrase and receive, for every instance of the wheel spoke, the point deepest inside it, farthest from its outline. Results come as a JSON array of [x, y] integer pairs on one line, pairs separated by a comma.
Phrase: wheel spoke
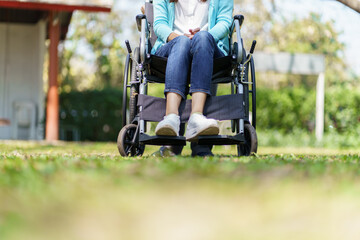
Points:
[[129, 135], [128, 149], [133, 151]]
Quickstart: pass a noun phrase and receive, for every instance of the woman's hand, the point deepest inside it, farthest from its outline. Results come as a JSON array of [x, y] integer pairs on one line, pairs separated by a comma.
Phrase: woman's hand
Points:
[[192, 32], [189, 35], [172, 36]]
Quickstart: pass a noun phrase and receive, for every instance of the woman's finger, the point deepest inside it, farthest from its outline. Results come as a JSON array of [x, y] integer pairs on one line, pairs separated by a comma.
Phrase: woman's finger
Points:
[[188, 35], [196, 30]]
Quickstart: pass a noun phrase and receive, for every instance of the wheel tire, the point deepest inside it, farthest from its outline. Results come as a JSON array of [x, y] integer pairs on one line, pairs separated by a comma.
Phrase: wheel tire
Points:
[[134, 89], [253, 95], [251, 142], [124, 142], [125, 84]]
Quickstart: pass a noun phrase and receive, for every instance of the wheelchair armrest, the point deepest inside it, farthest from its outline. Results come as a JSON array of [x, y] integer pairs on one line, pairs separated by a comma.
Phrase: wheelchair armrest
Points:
[[240, 18], [236, 26], [138, 20]]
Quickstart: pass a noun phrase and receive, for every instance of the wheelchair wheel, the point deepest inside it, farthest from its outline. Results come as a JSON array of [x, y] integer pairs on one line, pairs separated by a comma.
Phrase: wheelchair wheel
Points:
[[253, 92], [251, 142], [134, 88], [130, 111], [126, 144]]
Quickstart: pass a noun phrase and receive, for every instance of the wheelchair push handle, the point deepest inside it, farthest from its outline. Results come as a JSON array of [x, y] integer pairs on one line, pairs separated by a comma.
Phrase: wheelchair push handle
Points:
[[128, 46], [252, 49]]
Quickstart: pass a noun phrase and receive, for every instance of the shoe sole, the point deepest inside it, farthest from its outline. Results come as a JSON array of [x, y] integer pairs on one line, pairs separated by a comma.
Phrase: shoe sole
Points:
[[212, 130], [166, 131]]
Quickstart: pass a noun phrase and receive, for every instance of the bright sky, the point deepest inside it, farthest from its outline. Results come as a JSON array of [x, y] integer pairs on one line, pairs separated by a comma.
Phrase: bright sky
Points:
[[347, 20]]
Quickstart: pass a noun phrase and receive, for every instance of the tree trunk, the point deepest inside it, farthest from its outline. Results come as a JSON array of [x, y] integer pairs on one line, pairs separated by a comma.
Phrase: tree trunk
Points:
[[353, 4]]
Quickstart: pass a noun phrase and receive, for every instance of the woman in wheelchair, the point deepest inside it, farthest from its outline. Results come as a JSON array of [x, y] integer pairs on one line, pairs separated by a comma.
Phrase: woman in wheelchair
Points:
[[191, 34]]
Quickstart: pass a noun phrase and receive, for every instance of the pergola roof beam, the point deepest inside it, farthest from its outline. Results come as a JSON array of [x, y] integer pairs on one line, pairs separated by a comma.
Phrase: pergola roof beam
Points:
[[68, 6]]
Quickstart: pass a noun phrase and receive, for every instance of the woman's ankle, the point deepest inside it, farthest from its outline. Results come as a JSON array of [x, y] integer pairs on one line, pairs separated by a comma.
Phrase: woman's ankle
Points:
[[200, 113]]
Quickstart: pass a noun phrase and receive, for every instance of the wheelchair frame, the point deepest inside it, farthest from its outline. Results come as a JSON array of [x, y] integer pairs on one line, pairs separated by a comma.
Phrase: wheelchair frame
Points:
[[132, 137]]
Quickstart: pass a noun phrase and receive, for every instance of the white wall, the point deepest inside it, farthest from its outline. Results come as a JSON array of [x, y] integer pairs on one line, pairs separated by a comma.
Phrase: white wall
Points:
[[22, 49]]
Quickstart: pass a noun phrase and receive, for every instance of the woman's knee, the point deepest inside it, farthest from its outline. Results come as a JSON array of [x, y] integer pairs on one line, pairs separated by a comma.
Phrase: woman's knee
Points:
[[182, 44], [203, 37]]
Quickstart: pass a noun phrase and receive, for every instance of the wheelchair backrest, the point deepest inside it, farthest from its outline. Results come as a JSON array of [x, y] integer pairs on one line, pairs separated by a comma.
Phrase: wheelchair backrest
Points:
[[149, 12]]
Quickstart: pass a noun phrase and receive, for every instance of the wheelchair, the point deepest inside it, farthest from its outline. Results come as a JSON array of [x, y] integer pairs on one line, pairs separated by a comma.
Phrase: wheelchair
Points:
[[142, 69]]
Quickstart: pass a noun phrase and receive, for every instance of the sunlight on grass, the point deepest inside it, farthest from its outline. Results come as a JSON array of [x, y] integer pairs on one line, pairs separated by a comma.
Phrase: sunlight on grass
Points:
[[87, 191]]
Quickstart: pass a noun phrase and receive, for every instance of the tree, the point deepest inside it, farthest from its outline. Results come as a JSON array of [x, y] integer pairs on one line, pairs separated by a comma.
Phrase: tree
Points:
[[353, 4], [311, 35], [296, 35], [93, 56], [101, 35], [258, 21]]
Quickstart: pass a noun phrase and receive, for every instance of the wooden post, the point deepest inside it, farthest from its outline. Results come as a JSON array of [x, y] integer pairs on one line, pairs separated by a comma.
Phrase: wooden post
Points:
[[52, 108], [320, 102]]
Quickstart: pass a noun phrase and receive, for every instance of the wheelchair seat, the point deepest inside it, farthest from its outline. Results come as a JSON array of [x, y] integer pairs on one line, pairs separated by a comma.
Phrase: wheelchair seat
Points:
[[221, 71]]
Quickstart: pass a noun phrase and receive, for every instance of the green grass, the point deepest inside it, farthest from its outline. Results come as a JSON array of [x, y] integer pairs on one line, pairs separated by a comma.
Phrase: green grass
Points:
[[86, 191]]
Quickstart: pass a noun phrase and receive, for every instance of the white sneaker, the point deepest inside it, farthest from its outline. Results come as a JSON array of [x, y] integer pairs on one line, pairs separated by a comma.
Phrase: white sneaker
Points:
[[169, 126], [199, 125]]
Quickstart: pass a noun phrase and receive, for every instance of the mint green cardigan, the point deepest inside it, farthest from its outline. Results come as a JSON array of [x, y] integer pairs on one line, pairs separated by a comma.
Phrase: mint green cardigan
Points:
[[220, 19]]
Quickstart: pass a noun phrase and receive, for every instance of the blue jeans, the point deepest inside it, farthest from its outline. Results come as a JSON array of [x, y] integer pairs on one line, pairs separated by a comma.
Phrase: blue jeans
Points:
[[185, 55]]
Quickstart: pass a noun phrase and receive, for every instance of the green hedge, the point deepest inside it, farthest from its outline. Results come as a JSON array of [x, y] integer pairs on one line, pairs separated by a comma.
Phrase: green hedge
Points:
[[342, 108], [95, 114], [294, 108]]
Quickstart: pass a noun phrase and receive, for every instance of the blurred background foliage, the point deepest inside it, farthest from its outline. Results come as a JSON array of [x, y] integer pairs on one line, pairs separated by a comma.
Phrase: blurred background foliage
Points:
[[92, 56], [93, 60], [91, 115]]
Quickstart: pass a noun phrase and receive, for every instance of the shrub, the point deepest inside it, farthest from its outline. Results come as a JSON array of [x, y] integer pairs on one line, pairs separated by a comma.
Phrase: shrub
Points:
[[95, 114], [294, 108], [285, 109]]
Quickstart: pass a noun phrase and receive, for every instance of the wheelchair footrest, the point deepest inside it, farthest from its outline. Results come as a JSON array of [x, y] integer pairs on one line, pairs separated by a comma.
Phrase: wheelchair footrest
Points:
[[161, 140], [221, 140]]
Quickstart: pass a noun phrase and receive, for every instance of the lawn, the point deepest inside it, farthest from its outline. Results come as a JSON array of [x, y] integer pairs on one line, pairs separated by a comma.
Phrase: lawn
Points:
[[87, 191]]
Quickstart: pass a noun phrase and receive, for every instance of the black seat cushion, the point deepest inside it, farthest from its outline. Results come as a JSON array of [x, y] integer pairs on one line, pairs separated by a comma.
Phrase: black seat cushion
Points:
[[221, 71]]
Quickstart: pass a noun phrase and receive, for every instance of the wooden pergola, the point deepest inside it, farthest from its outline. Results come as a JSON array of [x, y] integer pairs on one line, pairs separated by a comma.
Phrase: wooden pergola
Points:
[[58, 15]]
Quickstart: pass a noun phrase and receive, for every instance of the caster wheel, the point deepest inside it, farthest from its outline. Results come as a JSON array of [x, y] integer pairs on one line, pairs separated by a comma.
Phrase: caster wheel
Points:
[[126, 145], [251, 142]]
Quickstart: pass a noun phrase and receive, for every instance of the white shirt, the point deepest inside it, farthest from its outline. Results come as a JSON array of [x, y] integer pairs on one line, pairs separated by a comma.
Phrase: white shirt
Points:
[[185, 17]]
